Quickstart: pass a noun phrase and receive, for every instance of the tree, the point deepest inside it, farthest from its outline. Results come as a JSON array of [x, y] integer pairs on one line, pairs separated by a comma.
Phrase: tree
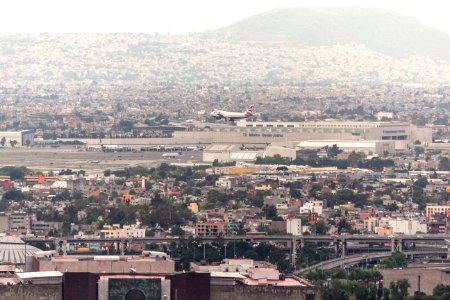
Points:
[[270, 211], [444, 163], [215, 163], [419, 150], [396, 260], [392, 207], [14, 195], [333, 151], [355, 157], [343, 225], [320, 228], [399, 289], [13, 143], [177, 231], [217, 199], [440, 290], [125, 125], [16, 173]]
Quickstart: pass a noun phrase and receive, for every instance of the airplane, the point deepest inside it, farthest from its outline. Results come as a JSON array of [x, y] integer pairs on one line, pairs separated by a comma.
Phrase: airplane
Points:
[[232, 116], [171, 155]]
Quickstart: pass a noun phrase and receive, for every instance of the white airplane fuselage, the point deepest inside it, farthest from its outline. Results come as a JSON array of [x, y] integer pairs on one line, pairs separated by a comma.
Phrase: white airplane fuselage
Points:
[[230, 115]]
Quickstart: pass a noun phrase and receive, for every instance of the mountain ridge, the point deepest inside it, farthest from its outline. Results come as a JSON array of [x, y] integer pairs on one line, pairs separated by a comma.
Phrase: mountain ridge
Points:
[[384, 31]]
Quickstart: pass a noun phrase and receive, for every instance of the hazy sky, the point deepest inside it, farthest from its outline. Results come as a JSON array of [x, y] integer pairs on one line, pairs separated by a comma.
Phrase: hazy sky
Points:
[[176, 16]]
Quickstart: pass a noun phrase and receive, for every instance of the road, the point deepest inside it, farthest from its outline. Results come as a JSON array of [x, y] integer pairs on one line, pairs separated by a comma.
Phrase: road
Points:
[[356, 259], [442, 238]]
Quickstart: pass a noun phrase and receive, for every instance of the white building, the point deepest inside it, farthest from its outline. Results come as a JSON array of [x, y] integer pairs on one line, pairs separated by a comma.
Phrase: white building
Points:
[[60, 184], [368, 147], [282, 151], [128, 231], [294, 226], [312, 207], [385, 115], [221, 152], [226, 182], [23, 138], [228, 153], [403, 134], [407, 227]]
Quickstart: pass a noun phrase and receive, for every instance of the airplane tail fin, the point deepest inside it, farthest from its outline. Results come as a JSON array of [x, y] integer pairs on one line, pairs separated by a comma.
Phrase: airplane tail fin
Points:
[[249, 111]]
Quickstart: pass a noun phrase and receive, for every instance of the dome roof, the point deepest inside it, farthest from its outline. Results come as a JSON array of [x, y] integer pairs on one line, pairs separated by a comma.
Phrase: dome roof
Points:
[[12, 250]]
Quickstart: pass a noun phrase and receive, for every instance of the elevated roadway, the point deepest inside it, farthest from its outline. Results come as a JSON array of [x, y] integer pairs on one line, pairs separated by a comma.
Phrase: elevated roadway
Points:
[[266, 238], [357, 259]]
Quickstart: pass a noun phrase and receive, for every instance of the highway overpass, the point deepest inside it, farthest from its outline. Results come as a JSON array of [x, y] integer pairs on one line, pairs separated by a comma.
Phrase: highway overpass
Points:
[[357, 259], [341, 243]]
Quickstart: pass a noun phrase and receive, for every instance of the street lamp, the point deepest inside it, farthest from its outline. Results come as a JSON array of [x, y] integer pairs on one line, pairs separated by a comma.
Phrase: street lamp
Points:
[[234, 241], [204, 251], [226, 244]]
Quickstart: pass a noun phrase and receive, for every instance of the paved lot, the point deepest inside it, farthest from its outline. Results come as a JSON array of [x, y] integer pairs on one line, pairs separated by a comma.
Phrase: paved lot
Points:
[[73, 158]]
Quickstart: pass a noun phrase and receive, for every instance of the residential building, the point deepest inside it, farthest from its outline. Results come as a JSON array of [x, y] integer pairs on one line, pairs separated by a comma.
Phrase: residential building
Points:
[[294, 226], [212, 227], [128, 231]]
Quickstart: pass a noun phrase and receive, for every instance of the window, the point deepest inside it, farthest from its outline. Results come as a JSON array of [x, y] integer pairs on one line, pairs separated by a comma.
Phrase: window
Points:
[[310, 297]]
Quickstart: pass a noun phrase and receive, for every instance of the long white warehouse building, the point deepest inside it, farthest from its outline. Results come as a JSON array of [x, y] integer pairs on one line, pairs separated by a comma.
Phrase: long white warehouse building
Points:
[[368, 147]]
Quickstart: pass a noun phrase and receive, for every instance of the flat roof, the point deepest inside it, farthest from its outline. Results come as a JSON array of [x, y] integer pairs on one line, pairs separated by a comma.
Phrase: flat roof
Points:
[[139, 276], [29, 275], [342, 143], [235, 275], [220, 147], [288, 281], [244, 123]]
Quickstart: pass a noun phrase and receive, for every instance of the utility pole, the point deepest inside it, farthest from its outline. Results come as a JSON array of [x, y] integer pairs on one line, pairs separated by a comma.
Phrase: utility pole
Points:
[[234, 243], [204, 251], [25, 255]]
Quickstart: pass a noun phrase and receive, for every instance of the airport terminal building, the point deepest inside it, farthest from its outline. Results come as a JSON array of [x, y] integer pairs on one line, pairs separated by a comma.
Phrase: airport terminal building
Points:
[[289, 134], [402, 134], [23, 138]]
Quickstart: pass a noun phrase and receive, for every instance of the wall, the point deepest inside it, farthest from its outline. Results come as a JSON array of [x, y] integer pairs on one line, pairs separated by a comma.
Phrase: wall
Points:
[[80, 286], [242, 292], [183, 286], [31, 292], [190, 286], [429, 278], [4, 223], [141, 266]]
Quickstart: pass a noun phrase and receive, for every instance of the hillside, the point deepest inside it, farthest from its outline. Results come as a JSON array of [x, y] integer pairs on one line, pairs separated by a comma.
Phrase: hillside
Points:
[[381, 30]]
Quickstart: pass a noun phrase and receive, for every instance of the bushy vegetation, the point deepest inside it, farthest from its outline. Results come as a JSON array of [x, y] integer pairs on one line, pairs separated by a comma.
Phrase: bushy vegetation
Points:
[[396, 260], [354, 160], [16, 173]]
